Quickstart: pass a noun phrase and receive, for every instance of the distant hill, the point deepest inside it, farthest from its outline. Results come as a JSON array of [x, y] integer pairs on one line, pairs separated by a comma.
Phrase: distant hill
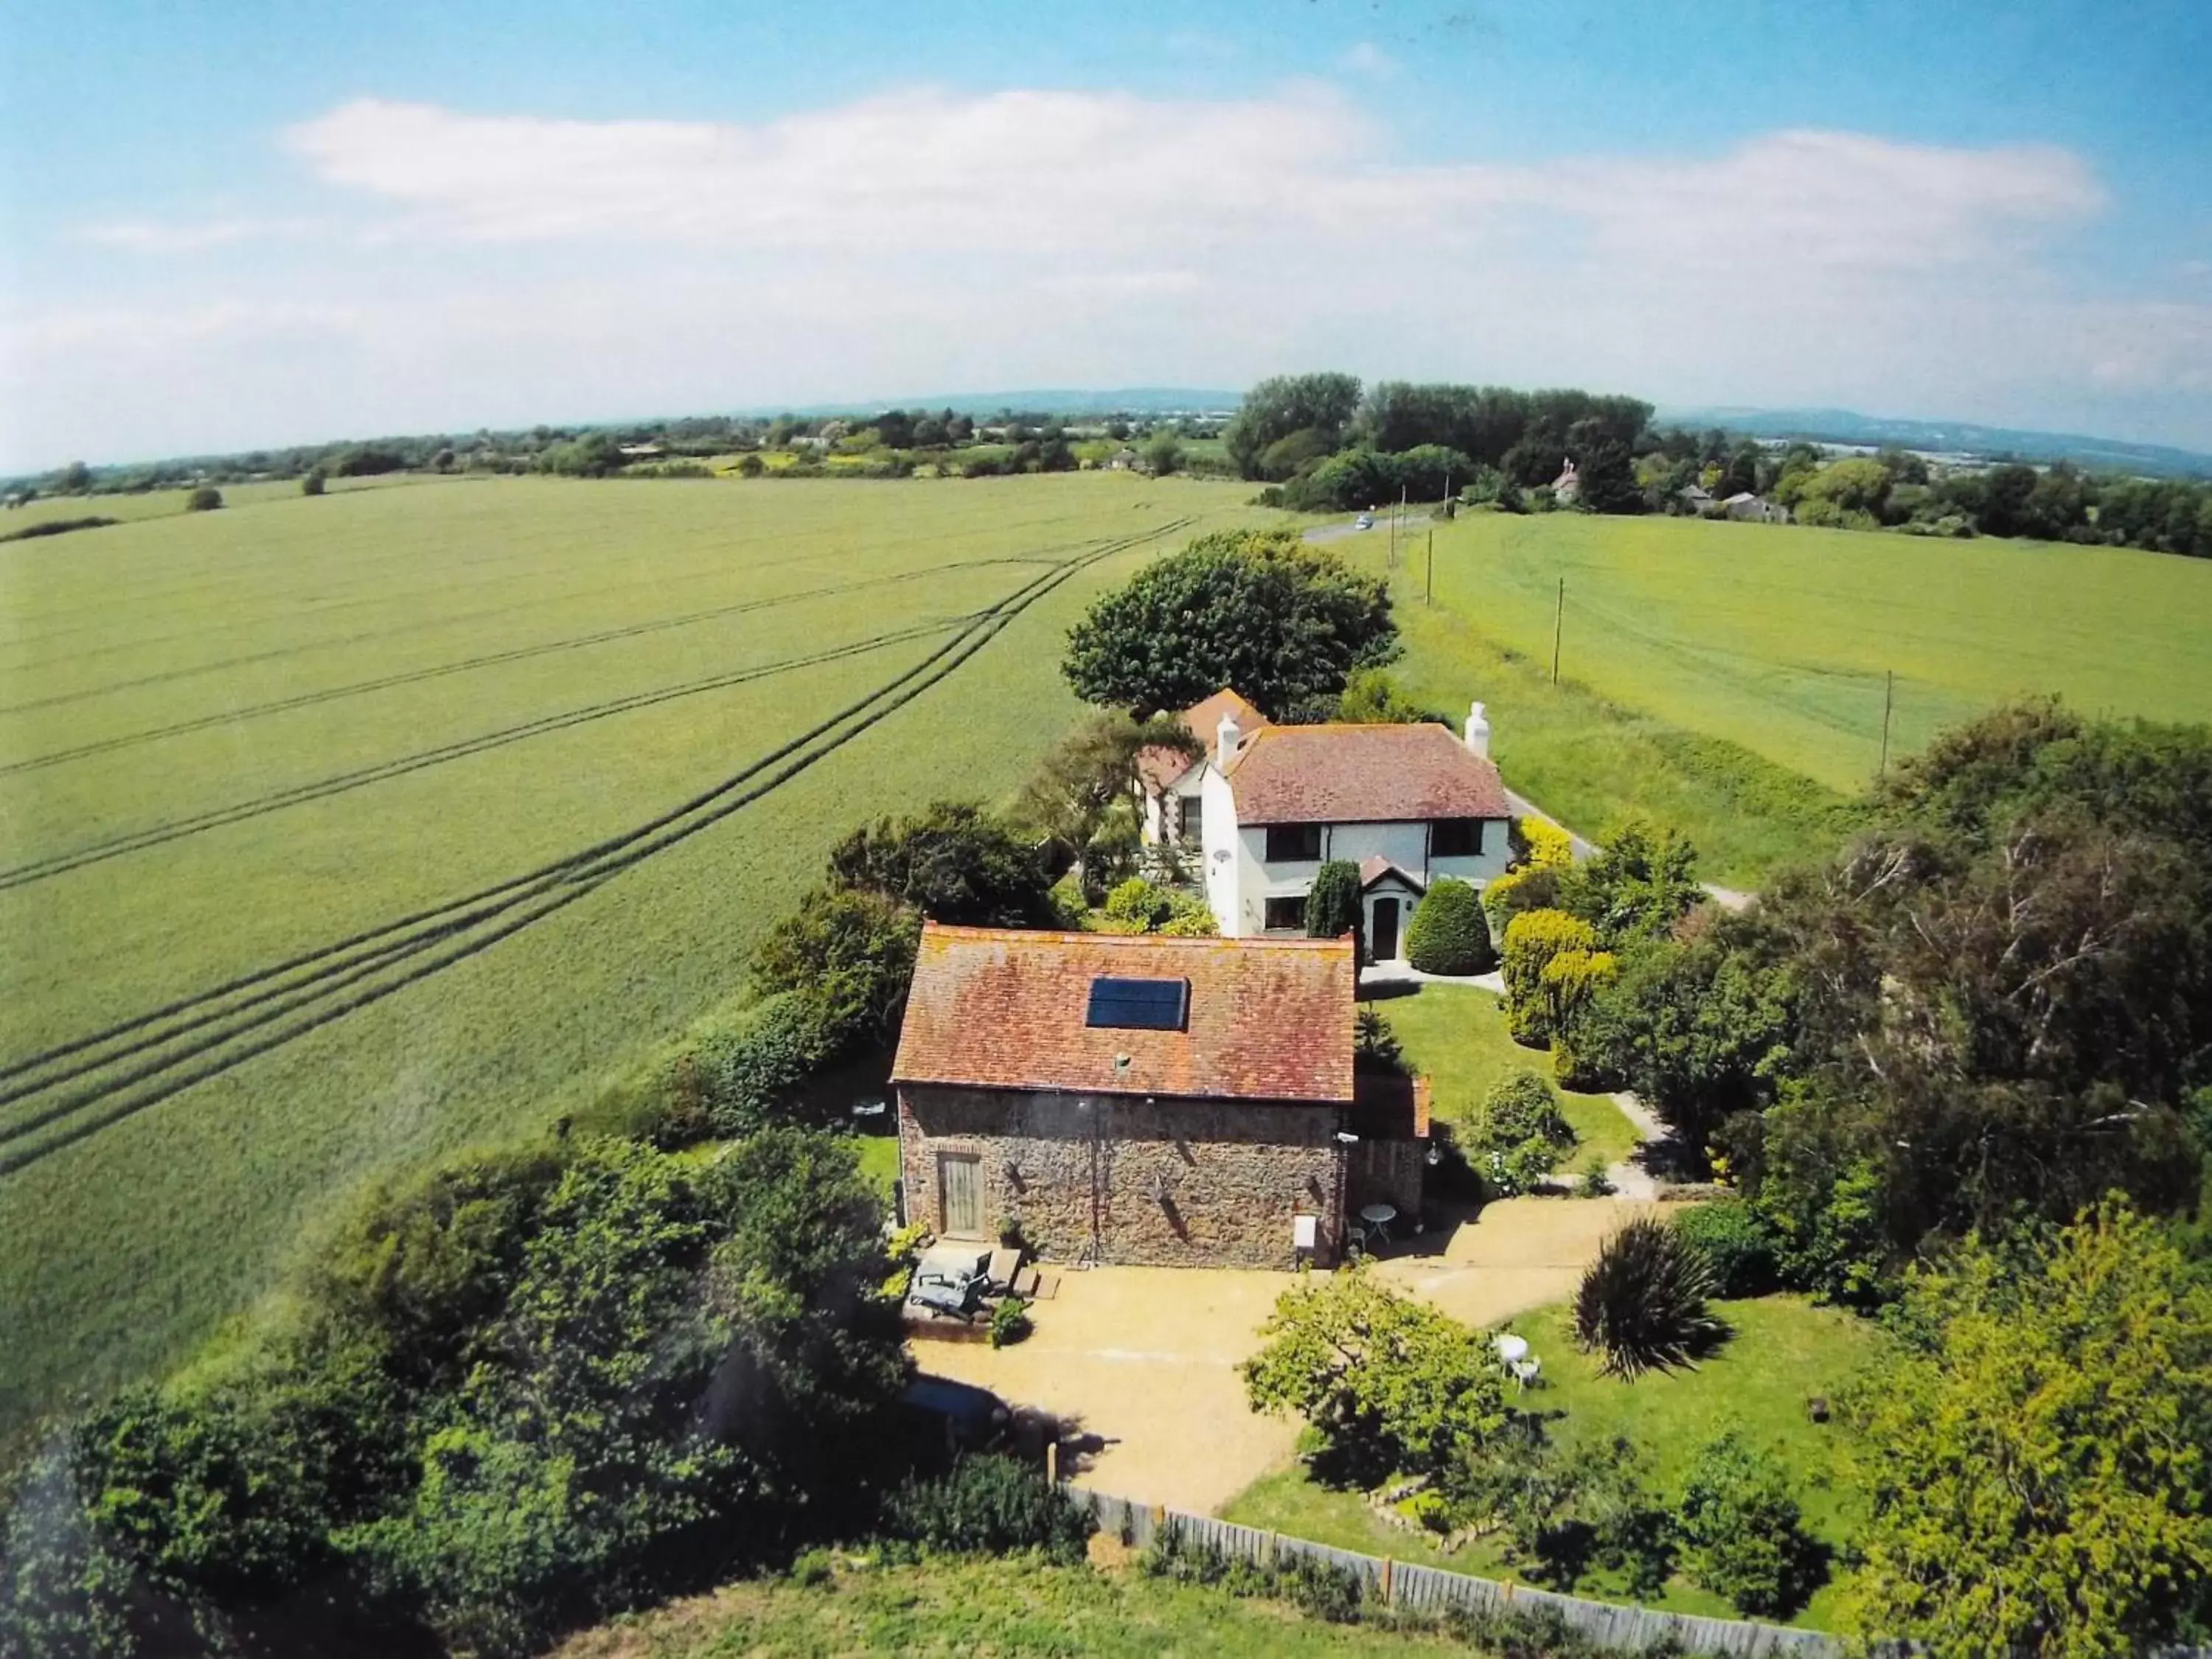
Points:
[[1129, 400], [1844, 426]]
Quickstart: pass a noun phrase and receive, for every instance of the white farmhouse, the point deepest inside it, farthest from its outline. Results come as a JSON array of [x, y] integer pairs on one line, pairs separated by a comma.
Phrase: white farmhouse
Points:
[[1266, 805]]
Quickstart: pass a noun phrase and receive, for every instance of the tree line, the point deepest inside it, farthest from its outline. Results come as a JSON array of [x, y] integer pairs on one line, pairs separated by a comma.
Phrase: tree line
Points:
[[1324, 442]]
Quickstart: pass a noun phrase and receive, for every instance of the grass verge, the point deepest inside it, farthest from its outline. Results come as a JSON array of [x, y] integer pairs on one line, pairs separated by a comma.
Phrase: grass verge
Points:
[[1001, 1608]]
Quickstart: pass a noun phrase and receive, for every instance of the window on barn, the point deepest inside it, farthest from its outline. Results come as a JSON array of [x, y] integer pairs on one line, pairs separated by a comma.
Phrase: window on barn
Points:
[[1286, 915], [1455, 838], [1293, 843]]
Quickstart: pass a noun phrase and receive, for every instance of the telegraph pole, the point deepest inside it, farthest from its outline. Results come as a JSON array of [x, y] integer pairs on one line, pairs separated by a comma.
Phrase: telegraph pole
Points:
[[1558, 620], [1888, 701], [1429, 593]]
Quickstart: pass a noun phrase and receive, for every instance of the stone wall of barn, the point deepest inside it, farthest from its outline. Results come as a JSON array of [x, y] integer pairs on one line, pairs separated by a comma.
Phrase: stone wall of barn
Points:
[[1117, 1179]]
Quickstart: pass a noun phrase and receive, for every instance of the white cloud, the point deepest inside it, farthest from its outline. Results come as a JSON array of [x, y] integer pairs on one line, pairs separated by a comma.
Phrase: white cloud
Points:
[[463, 268], [1368, 58], [187, 236]]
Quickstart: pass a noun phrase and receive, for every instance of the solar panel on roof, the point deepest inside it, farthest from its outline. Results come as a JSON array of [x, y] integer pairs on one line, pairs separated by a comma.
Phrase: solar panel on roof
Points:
[[1139, 1005]]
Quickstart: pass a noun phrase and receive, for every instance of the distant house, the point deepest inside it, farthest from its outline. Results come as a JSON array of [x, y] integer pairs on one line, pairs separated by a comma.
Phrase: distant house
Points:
[[1568, 485], [1755, 509], [640, 452], [1265, 805], [1132, 1099], [1694, 498], [1124, 460]]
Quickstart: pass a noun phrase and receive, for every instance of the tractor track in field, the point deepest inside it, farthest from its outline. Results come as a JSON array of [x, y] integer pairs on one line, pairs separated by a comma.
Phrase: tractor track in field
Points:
[[340, 783], [489, 660], [491, 579], [137, 1062]]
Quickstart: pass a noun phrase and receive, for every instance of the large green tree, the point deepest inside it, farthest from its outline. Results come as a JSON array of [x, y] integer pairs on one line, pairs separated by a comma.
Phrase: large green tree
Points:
[[1276, 410], [1282, 622], [2039, 1450]]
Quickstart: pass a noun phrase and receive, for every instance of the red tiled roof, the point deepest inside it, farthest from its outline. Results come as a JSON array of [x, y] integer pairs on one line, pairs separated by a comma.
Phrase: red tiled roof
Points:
[[1362, 775], [1161, 767], [1002, 1008]]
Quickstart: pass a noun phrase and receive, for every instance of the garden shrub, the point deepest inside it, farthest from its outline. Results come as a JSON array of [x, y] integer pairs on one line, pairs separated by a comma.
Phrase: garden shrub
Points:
[[1734, 1243], [1521, 1106], [1571, 980], [852, 950], [1742, 1533], [1520, 1134], [1641, 1304], [1135, 907], [1507, 895], [1010, 1323], [1539, 844], [989, 1503], [1071, 906], [1532, 940], [1449, 933], [1332, 907], [746, 1068], [1188, 918]]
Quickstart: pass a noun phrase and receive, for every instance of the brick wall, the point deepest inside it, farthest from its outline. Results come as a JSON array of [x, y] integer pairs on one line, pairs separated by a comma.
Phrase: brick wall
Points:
[[1175, 1183]]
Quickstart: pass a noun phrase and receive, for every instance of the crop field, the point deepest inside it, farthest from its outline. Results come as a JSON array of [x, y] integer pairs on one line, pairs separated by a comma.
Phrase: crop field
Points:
[[336, 832], [1730, 678]]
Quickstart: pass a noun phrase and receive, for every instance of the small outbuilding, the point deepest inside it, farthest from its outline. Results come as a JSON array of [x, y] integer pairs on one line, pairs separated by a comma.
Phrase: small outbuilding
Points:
[[1140, 1099]]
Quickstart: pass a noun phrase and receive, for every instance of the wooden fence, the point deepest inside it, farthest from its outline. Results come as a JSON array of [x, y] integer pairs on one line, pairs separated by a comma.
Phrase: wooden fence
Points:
[[1430, 1589]]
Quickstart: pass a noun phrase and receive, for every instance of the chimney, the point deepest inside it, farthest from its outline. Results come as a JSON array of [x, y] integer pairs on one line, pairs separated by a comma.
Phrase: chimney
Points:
[[1478, 730], [1225, 738]]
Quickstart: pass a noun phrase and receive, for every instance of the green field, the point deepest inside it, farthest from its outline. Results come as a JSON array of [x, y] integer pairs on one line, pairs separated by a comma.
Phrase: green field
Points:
[[1784, 1352], [996, 1608], [1456, 1035], [338, 832], [1714, 668]]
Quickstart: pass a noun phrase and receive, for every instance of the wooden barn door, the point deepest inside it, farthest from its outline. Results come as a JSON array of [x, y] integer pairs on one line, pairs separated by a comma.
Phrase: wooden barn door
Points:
[[960, 1193]]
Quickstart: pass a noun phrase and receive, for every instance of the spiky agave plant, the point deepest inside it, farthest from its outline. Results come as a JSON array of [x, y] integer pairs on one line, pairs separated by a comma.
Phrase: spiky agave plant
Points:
[[1642, 1303]]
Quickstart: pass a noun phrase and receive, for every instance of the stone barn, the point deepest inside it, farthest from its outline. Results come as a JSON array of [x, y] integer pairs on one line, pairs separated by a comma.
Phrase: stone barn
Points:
[[1132, 1098]]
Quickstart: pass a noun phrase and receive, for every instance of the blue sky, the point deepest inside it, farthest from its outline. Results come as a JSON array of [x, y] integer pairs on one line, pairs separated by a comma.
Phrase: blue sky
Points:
[[239, 224]]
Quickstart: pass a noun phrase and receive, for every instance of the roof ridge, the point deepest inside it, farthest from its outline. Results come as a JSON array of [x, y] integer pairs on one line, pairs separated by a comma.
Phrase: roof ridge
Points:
[[1063, 936]]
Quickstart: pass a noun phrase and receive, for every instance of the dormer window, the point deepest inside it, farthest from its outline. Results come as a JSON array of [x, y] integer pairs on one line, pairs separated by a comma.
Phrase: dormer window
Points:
[[1293, 843]]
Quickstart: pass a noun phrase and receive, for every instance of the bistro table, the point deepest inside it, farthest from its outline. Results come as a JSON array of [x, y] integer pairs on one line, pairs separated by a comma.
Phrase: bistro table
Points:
[[1378, 1217], [1513, 1349]]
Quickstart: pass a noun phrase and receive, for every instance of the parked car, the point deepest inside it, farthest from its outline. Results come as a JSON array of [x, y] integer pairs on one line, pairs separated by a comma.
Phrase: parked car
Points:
[[1365, 521]]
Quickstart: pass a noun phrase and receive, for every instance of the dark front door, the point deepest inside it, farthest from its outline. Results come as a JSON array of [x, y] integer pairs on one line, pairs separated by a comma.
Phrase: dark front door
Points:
[[1384, 945]]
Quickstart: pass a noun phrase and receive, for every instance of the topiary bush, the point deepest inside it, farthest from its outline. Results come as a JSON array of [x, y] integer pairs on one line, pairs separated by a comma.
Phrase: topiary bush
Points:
[[1641, 1304], [1449, 933], [1737, 1247], [989, 1503], [1742, 1533]]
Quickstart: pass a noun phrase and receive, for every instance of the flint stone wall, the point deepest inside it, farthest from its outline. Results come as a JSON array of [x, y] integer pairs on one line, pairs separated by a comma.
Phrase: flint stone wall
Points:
[[1106, 1178]]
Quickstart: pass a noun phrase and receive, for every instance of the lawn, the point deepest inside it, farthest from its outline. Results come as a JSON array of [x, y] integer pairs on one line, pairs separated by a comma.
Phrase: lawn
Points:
[[340, 832], [1783, 1353], [1456, 1035], [992, 1607], [1730, 678]]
